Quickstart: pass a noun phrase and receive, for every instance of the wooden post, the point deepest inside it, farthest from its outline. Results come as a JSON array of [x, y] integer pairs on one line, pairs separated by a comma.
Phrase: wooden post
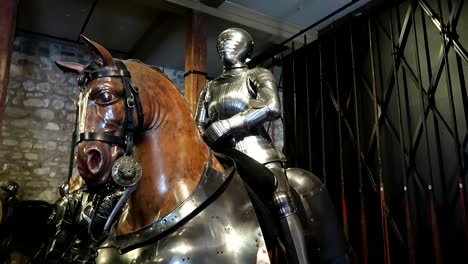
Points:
[[7, 30], [195, 60]]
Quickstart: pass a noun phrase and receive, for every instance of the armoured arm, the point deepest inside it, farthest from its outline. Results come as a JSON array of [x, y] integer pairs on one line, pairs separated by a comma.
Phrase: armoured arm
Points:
[[265, 107], [201, 115]]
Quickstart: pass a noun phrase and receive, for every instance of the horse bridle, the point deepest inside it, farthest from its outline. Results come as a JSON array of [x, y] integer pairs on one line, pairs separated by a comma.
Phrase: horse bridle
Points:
[[132, 102]]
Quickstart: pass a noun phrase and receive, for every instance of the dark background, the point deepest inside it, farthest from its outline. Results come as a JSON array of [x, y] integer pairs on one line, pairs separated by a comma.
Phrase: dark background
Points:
[[423, 44]]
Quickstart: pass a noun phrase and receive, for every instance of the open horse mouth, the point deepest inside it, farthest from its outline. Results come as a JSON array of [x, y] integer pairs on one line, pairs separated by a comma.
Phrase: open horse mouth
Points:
[[94, 162]]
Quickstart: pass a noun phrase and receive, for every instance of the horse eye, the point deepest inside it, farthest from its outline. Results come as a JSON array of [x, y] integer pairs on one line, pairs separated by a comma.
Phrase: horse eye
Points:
[[105, 98]]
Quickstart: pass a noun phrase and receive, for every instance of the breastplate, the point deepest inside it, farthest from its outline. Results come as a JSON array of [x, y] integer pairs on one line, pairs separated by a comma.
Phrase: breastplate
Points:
[[228, 95], [225, 231]]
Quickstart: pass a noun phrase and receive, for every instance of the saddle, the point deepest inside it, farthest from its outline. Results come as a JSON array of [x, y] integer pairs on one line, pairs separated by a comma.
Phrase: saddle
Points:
[[260, 179]]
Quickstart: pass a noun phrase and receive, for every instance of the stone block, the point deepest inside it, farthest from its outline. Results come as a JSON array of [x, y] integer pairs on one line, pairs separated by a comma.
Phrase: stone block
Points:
[[15, 100], [43, 87], [13, 84], [71, 118], [42, 171], [29, 85], [50, 145], [44, 114], [25, 132], [10, 142], [52, 126], [35, 102], [15, 112], [62, 148], [70, 106], [15, 71], [72, 81], [65, 137], [25, 145], [58, 104], [49, 195], [16, 155], [20, 123], [46, 63], [37, 184], [38, 146], [31, 156]]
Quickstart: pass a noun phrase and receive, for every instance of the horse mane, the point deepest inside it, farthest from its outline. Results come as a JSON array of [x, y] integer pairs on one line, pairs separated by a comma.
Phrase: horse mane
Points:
[[156, 68]]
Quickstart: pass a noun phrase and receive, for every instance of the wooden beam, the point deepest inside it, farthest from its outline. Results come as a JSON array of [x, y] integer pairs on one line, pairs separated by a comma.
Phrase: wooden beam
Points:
[[7, 29], [195, 59], [277, 28]]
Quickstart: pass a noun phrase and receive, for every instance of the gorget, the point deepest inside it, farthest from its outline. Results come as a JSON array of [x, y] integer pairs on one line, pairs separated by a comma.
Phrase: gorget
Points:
[[230, 94], [216, 224]]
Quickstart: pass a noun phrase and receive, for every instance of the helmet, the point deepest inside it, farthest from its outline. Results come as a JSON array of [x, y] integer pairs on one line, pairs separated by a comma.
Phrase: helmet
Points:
[[11, 187], [64, 189], [234, 47]]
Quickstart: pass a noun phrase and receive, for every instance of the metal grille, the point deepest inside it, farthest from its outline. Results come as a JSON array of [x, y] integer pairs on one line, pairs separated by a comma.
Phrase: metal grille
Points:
[[378, 108]]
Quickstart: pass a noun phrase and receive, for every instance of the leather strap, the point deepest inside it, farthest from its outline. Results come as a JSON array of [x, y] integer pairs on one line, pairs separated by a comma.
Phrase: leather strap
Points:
[[92, 136]]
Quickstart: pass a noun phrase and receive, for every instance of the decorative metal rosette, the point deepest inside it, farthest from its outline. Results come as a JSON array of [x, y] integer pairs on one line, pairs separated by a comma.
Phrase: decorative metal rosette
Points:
[[126, 171]]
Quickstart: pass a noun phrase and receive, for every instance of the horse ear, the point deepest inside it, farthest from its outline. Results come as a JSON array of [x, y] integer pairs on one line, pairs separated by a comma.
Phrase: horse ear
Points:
[[70, 67], [99, 54]]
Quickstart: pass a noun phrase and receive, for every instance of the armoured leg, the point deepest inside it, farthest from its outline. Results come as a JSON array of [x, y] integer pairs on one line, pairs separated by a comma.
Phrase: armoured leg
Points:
[[321, 223], [291, 226]]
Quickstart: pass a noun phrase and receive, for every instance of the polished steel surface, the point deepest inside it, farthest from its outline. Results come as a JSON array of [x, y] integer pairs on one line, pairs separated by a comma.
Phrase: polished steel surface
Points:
[[226, 231], [211, 182], [322, 224], [64, 189], [236, 104], [63, 217], [234, 47], [292, 225], [80, 220], [259, 148], [232, 110], [307, 185], [228, 94], [10, 187], [304, 181]]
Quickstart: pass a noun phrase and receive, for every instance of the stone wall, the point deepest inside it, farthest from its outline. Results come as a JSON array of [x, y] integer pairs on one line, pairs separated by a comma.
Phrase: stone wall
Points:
[[40, 114]]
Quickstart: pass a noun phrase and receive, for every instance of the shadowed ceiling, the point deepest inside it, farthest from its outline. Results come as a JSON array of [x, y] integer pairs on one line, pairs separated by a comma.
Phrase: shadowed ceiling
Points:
[[154, 30]]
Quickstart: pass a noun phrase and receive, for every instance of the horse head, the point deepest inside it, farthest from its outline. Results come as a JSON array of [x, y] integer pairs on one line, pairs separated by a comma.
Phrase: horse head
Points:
[[129, 109]]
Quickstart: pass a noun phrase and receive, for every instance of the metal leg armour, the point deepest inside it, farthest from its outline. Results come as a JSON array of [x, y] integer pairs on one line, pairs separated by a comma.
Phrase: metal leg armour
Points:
[[322, 223], [290, 224]]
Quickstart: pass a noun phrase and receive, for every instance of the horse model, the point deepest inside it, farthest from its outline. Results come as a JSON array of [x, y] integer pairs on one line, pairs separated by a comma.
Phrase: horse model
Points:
[[155, 193]]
